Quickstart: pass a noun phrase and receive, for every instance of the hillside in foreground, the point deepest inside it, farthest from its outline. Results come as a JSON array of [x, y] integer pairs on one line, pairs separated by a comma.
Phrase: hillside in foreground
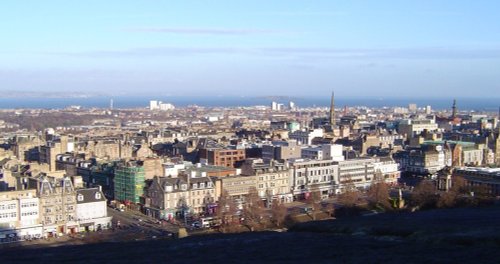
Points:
[[437, 236]]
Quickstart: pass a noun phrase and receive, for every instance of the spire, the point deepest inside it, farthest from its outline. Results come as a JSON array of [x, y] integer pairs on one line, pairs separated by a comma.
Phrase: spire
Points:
[[454, 109], [332, 111]]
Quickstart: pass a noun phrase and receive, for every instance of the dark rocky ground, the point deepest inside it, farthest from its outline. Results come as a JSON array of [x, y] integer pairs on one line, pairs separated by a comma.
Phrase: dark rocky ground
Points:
[[437, 236]]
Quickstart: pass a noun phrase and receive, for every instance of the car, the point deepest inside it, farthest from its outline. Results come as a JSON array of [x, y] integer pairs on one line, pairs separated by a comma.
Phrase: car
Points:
[[196, 224]]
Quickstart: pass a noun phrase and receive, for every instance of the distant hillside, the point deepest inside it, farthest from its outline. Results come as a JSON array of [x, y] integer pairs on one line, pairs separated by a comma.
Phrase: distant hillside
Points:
[[438, 236]]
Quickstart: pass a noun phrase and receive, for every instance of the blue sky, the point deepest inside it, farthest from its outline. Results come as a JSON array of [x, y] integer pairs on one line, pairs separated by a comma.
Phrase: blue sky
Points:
[[378, 48]]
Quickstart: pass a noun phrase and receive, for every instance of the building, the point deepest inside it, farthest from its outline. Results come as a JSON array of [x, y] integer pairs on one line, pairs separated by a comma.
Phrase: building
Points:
[[323, 152], [307, 176], [306, 137], [281, 150], [57, 205], [423, 160], [91, 210], [387, 169], [166, 198], [201, 196], [474, 176], [272, 179], [222, 157], [360, 172], [412, 128], [237, 186], [129, 182], [19, 216]]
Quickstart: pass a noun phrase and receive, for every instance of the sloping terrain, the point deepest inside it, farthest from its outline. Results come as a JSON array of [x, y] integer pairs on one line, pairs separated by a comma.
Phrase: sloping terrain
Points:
[[438, 236]]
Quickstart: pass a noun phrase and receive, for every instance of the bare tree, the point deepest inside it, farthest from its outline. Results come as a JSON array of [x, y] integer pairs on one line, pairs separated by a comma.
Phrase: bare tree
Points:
[[253, 210], [226, 211], [314, 202], [279, 213], [378, 195], [349, 197], [424, 194], [453, 196], [330, 209]]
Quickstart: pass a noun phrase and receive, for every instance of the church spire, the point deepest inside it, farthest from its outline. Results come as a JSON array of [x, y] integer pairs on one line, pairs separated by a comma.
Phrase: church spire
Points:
[[332, 111], [454, 109]]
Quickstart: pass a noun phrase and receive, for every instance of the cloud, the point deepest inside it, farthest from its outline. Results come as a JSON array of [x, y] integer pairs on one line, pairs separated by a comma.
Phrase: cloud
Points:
[[207, 31], [305, 13], [312, 53]]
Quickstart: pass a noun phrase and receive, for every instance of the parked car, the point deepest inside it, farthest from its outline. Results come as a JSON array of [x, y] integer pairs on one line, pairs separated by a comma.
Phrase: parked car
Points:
[[196, 224]]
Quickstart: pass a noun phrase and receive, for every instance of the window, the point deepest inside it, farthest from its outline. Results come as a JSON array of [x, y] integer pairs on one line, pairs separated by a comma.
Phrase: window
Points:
[[80, 198], [97, 195]]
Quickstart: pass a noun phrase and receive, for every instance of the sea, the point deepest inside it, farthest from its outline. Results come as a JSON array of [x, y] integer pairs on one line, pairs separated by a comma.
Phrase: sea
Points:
[[125, 102]]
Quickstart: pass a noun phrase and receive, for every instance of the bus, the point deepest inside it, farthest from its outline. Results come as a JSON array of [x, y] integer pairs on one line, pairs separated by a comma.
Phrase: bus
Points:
[[208, 222]]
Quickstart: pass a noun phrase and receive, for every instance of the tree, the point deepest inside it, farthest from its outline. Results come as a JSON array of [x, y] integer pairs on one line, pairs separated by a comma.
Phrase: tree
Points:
[[330, 209], [279, 213], [424, 194], [314, 202], [225, 211], [378, 195], [350, 196], [253, 210], [453, 196]]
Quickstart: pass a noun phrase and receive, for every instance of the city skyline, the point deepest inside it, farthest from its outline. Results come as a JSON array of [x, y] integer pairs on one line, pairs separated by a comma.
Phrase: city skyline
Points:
[[369, 48]]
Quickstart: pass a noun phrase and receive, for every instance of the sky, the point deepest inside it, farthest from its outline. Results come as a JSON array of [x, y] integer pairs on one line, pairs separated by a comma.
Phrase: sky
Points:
[[421, 48]]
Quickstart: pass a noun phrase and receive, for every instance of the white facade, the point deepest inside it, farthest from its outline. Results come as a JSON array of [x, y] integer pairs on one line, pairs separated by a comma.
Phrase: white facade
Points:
[[153, 105], [388, 168], [19, 216], [311, 175], [306, 137], [91, 210]]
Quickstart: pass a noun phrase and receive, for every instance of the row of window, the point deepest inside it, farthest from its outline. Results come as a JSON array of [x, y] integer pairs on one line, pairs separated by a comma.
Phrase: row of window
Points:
[[31, 204], [29, 213], [8, 215], [8, 206], [202, 185]]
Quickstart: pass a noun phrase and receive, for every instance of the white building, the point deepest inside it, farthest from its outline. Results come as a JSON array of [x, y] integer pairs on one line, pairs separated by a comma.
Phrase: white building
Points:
[[307, 176], [19, 216], [153, 105], [359, 172], [159, 105], [166, 106], [91, 210], [323, 152], [388, 169], [306, 137]]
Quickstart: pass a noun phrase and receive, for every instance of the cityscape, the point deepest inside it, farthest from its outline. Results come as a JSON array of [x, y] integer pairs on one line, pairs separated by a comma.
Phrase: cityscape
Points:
[[361, 132]]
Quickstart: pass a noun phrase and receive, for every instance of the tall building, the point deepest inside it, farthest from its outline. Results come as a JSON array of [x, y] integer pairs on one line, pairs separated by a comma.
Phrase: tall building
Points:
[[153, 105], [57, 205], [454, 109], [428, 110], [129, 182], [274, 106], [332, 111], [412, 108]]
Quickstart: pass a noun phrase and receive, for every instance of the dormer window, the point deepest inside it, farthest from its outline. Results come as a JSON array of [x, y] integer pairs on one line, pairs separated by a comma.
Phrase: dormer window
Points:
[[202, 185], [97, 195], [195, 185], [184, 187], [80, 197]]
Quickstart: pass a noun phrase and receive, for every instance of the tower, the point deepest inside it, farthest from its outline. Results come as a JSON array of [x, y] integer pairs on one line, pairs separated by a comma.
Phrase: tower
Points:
[[454, 109], [332, 111], [111, 104]]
